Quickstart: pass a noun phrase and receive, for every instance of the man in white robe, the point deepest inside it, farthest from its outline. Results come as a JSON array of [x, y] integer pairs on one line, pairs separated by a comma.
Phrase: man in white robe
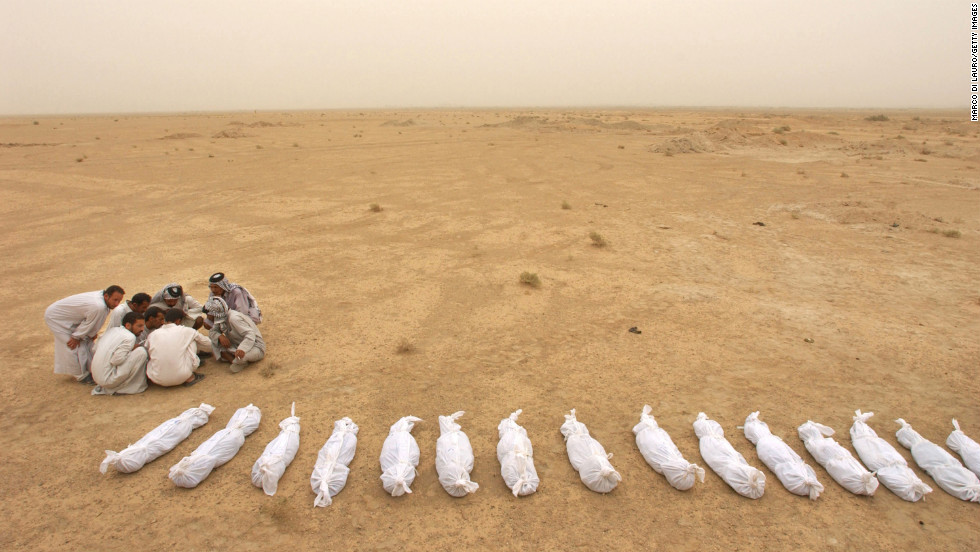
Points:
[[119, 364], [173, 352], [138, 304], [154, 317], [173, 297], [234, 336], [75, 321]]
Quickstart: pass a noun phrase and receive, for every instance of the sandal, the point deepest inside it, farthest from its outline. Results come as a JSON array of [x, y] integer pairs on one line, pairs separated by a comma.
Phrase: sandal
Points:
[[197, 378]]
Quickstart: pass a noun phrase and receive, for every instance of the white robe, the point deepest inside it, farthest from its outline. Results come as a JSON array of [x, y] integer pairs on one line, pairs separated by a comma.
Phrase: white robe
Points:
[[191, 307], [117, 367], [173, 354], [79, 316], [117, 314]]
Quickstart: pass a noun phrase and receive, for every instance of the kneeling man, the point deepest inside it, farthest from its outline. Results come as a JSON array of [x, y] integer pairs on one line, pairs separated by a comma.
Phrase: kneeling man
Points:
[[234, 336], [119, 364], [173, 352]]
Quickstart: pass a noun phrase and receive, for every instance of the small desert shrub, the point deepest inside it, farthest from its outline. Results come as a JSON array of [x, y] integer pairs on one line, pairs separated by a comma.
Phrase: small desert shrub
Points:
[[36, 123], [566, 205], [783, 142], [621, 147], [258, 146], [269, 370], [668, 153], [79, 159], [530, 279], [405, 347], [952, 233], [375, 208], [597, 239], [876, 118], [795, 215], [926, 151], [295, 144], [780, 130], [834, 133], [844, 175]]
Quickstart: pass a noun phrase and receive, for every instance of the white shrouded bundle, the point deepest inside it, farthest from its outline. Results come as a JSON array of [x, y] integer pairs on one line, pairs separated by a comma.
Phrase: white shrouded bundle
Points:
[[727, 462], [662, 454], [331, 471], [967, 448], [882, 458], [399, 457], [588, 457], [218, 449], [946, 470], [277, 456], [159, 441], [516, 457], [454, 457], [837, 460], [798, 477]]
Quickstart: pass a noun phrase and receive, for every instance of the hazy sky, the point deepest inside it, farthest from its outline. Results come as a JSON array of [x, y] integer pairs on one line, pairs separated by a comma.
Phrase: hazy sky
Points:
[[77, 56]]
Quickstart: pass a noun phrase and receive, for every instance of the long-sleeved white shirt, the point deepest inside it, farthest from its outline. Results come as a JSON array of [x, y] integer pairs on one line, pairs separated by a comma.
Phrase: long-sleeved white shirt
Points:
[[173, 354], [117, 314], [80, 315], [111, 351]]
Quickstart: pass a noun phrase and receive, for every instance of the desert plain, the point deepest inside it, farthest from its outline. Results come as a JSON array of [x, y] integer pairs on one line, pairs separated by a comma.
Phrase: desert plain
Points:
[[804, 264]]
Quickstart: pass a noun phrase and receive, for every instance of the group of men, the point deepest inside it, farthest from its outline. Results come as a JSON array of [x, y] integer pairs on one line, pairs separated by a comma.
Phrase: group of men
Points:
[[153, 339]]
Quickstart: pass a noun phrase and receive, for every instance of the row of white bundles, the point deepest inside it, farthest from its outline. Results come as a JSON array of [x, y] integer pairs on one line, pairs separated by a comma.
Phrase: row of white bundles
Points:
[[454, 456]]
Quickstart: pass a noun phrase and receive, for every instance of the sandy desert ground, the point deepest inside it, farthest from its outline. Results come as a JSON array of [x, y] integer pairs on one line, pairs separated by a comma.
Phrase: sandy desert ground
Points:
[[869, 248]]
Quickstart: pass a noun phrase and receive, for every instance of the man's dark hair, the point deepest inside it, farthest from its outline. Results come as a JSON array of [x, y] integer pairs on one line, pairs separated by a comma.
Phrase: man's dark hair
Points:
[[173, 315], [152, 312], [140, 298], [131, 317], [113, 289]]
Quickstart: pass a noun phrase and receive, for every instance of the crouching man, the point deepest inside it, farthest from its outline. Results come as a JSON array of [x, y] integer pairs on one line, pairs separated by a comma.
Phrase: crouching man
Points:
[[173, 352], [234, 336], [119, 364]]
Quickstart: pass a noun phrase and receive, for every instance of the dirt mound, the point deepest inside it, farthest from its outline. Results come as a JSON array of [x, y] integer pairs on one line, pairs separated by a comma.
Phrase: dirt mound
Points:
[[181, 136], [695, 143], [236, 133], [405, 123], [523, 121], [20, 145]]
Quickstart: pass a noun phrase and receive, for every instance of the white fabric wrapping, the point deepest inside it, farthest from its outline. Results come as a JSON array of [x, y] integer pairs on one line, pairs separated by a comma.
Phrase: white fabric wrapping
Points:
[[798, 477], [882, 458], [454, 457], [330, 472], [727, 462], [946, 470], [662, 454], [277, 456], [968, 449], [516, 457], [156, 443], [837, 460], [218, 449], [588, 457], [400, 457]]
